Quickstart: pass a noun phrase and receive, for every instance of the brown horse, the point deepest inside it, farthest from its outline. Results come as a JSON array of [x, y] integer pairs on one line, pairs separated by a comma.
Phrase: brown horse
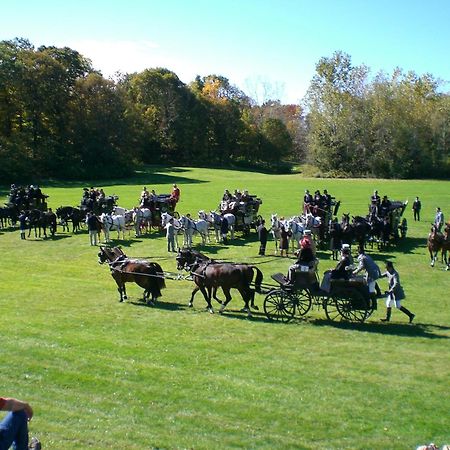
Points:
[[446, 246], [436, 241], [208, 275], [148, 275]]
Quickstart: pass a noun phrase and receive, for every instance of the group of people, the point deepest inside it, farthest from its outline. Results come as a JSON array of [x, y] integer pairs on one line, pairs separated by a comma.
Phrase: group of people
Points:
[[379, 207], [149, 199], [316, 203], [239, 201], [26, 197]]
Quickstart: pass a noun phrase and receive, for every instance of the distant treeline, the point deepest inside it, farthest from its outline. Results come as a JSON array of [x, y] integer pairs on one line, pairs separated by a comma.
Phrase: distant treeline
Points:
[[60, 118]]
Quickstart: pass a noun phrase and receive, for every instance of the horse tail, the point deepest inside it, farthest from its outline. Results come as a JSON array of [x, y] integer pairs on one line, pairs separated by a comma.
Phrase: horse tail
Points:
[[160, 281], [258, 279]]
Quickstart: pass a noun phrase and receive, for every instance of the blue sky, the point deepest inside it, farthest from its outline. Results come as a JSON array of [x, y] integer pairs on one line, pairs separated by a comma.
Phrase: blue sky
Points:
[[267, 48]]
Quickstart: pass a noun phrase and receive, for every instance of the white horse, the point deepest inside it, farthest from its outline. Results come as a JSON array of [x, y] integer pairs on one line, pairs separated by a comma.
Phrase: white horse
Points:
[[165, 219], [313, 223], [191, 227], [215, 220], [126, 213], [112, 222], [142, 218], [296, 232]]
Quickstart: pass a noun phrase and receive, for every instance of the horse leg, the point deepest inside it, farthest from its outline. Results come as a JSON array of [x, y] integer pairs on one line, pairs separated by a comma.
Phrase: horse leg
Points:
[[227, 294], [191, 302], [246, 295], [207, 299], [215, 296]]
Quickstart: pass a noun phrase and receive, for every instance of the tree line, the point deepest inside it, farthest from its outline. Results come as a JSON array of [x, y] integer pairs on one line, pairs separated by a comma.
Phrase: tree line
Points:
[[59, 117]]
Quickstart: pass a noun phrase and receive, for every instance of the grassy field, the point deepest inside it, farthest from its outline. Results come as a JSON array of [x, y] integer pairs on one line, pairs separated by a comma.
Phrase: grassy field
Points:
[[103, 374]]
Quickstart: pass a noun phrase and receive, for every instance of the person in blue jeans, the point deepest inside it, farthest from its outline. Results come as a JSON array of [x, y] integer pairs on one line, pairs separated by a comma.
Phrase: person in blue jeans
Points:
[[14, 427]]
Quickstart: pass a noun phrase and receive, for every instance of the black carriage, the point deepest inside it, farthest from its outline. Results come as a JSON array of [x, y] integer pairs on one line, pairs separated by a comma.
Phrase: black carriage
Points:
[[347, 300], [99, 204], [23, 198], [245, 211]]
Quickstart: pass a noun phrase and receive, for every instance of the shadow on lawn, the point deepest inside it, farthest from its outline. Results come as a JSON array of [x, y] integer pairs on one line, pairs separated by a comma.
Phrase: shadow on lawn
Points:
[[422, 330], [148, 176]]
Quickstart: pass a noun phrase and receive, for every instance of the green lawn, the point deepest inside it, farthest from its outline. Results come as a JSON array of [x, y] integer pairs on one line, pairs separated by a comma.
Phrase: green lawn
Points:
[[103, 374]]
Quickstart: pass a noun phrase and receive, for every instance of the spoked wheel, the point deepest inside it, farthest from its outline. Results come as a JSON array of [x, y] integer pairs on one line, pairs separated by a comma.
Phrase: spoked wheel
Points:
[[302, 301], [278, 306], [354, 308]]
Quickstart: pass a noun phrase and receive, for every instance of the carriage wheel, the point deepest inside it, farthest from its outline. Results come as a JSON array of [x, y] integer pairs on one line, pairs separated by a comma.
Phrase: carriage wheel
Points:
[[302, 301], [344, 307], [278, 306]]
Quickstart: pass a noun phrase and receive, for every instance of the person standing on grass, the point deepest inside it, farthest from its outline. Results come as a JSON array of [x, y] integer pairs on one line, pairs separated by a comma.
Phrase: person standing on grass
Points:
[[14, 427], [395, 294], [170, 234], [91, 222], [416, 207], [22, 224], [262, 235]]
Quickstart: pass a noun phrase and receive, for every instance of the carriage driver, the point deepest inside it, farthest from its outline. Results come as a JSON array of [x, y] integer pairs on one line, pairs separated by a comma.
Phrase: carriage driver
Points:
[[341, 271]]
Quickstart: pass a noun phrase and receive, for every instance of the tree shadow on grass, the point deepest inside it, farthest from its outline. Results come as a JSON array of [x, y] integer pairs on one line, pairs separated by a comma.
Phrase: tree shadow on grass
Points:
[[147, 176], [420, 330]]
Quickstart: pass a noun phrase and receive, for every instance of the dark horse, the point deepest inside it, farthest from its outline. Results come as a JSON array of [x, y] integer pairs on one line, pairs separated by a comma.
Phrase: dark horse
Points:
[[148, 275], [208, 275], [40, 221], [68, 214]]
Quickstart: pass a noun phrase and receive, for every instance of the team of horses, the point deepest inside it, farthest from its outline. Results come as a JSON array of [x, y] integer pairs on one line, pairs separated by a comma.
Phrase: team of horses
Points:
[[207, 274]]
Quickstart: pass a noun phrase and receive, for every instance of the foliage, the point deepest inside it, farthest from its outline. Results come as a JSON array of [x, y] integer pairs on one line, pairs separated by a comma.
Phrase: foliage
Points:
[[388, 128], [60, 117]]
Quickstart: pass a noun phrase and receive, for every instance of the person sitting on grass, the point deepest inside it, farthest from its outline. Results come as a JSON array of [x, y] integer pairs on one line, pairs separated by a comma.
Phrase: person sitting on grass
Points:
[[14, 427]]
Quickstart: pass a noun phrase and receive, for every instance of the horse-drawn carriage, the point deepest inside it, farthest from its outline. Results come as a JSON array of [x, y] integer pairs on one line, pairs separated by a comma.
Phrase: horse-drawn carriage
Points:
[[23, 198], [160, 204], [245, 210], [347, 299], [99, 204]]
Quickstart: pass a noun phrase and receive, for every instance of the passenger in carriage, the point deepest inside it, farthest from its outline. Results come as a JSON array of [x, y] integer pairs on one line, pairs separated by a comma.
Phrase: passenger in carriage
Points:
[[342, 270], [175, 195], [308, 236], [305, 257], [326, 200], [237, 195], [307, 201], [101, 195], [385, 206], [245, 196], [226, 196], [375, 199], [144, 193]]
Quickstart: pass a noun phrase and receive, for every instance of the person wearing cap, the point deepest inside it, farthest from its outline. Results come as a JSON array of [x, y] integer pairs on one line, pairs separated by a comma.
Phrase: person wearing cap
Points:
[[395, 294], [372, 273], [340, 272], [262, 235]]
